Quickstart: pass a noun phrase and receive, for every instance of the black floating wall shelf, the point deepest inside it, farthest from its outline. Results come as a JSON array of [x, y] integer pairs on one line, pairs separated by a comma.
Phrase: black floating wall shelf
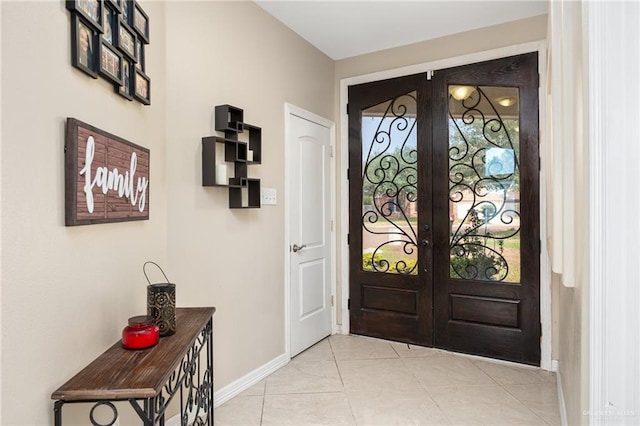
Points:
[[225, 159]]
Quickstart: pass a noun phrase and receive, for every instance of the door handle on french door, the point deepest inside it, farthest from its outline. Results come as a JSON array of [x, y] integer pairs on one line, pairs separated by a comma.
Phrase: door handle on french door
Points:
[[297, 248], [425, 244]]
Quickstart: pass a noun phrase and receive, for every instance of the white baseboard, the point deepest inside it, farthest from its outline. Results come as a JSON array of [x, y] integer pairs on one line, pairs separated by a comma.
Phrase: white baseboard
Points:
[[250, 379], [243, 383], [563, 407]]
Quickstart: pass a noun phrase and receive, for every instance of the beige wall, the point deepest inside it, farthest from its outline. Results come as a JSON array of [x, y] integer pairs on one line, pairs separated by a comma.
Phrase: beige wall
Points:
[[508, 34], [67, 292], [573, 350], [234, 53]]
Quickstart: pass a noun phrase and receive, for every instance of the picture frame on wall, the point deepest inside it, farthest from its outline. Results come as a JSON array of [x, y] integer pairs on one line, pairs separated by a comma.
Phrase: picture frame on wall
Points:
[[140, 55], [108, 40], [142, 87], [110, 63], [127, 11], [115, 4], [85, 46], [125, 89], [140, 22], [127, 41], [91, 10], [110, 24]]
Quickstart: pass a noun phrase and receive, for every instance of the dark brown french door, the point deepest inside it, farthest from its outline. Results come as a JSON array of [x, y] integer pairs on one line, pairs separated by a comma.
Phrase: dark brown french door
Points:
[[444, 211]]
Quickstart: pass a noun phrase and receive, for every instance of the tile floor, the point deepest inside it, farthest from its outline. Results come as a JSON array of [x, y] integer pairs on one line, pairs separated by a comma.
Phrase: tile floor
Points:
[[353, 380]]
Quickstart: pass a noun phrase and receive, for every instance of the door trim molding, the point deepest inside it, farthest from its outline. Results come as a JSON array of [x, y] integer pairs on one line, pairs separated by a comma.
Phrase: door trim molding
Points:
[[289, 110], [545, 268]]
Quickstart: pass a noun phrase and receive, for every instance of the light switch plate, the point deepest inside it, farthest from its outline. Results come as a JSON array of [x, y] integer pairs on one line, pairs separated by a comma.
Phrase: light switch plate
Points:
[[268, 196]]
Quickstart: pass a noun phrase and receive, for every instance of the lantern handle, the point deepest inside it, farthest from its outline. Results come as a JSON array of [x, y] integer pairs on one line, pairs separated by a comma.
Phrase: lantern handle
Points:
[[145, 272]]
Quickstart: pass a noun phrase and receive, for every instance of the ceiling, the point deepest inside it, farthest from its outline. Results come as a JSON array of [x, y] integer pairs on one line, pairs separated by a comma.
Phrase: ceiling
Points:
[[342, 28]]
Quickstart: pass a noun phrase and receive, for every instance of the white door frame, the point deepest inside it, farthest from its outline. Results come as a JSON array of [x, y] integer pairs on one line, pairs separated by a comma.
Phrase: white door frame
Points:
[[289, 110], [545, 267]]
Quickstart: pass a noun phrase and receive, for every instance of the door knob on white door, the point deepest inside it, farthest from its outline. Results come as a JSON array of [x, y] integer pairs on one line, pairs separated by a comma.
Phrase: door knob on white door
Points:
[[297, 248]]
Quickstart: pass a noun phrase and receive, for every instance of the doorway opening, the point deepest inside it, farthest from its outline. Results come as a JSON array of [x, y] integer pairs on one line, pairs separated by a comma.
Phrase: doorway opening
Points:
[[444, 209]]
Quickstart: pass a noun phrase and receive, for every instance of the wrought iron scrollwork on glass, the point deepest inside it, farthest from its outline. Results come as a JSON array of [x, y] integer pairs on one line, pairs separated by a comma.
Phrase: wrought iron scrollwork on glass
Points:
[[389, 186], [483, 189]]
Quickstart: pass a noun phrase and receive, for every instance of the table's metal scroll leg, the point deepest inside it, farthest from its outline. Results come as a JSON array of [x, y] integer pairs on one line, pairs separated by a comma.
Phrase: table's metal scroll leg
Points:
[[152, 410], [57, 413], [210, 368], [147, 413]]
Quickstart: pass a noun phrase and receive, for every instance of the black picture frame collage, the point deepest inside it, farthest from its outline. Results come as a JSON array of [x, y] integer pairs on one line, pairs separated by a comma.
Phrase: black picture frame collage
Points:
[[108, 39]]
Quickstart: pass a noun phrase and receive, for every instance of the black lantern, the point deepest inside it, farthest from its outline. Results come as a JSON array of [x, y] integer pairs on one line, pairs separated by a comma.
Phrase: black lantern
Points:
[[161, 303]]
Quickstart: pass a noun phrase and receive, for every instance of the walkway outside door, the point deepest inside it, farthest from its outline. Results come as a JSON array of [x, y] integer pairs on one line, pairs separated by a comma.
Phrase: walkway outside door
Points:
[[444, 220]]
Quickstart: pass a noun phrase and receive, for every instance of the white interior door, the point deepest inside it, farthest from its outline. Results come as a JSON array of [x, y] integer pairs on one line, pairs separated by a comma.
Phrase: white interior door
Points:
[[310, 234]]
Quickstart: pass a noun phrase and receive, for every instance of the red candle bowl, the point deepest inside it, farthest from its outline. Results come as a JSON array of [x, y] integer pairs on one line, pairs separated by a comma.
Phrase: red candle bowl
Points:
[[141, 333]]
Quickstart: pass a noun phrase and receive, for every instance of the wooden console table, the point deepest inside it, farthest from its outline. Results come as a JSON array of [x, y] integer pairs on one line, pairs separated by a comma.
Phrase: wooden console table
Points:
[[149, 378]]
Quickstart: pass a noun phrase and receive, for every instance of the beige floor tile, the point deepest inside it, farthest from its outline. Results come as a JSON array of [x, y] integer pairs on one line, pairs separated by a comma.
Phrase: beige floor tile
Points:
[[321, 351], [449, 370], [405, 350], [541, 398], [513, 375], [483, 405], [379, 407], [307, 409], [305, 377], [241, 411], [357, 347], [376, 382], [257, 389], [375, 374]]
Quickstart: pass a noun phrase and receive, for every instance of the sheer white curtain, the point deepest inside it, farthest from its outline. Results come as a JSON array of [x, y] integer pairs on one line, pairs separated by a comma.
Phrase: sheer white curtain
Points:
[[565, 150]]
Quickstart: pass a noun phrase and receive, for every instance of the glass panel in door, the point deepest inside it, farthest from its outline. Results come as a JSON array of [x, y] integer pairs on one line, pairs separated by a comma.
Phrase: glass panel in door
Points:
[[389, 187], [484, 184]]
